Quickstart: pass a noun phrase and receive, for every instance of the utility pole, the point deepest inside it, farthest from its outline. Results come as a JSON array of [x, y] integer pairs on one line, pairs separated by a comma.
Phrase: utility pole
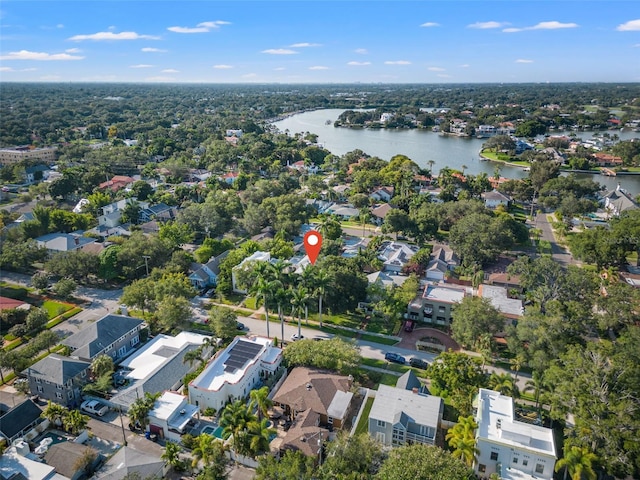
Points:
[[124, 435], [146, 263]]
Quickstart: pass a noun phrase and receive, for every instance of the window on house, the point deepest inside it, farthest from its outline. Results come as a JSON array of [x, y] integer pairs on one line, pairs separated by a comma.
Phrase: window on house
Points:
[[380, 437], [515, 460], [494, 455], [382, 424], [482, 468], [525, 463], [122, 351], [135, 340], [539, 468], [83, 374], [330, 420], [70, 395], [40, 389], [37, 380], [58, 395]]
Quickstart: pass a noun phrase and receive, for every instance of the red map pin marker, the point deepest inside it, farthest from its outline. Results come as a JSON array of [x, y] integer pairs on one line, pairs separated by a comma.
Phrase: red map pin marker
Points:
[[312, 245]]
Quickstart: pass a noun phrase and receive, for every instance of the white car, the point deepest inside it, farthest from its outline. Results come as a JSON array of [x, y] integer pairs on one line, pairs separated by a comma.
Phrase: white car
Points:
[[94, 407], [295, 337]]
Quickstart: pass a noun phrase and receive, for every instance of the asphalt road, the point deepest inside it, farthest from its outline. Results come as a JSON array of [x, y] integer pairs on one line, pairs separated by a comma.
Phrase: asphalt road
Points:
[[558, 253]]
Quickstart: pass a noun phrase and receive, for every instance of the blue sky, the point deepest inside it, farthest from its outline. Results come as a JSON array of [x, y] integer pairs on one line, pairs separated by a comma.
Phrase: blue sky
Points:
[[308, 41]]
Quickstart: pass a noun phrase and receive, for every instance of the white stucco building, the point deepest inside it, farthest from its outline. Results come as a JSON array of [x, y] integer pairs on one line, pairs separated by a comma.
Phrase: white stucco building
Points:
[[235, 372], [514, 449], [172, 416]]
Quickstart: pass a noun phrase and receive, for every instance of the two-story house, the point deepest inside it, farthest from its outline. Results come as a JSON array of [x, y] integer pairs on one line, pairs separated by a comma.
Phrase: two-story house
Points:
[[206, 275], [509, 447], [59, 379], [113, 335], [172, 416], [399, 417], [435, 304]]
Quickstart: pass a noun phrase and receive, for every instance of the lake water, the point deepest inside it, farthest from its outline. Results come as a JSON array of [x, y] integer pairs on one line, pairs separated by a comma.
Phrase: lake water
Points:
[[422, 146]]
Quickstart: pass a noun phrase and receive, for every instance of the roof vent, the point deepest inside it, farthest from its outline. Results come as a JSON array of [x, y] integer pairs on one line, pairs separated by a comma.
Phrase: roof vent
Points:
[[183, 411], [309, 386]]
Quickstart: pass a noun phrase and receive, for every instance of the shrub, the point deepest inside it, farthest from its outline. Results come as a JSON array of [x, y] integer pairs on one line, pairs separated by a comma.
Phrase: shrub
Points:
[[209, 412]]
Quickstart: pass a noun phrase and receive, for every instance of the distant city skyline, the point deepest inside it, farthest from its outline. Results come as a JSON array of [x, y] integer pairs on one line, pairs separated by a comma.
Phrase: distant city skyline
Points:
[[308, 41]]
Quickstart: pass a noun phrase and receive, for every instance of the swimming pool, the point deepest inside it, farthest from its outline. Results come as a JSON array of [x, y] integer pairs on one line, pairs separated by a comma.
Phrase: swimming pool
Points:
[[213, 431]]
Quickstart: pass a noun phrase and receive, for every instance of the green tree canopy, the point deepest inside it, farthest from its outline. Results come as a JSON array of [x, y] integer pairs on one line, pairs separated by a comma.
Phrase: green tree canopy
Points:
[[472, 317], [334, 354], [423, 462]]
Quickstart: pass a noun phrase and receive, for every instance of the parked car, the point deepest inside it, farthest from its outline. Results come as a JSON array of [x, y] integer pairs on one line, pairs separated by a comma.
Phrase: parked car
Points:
[[240, 326], [94, 407], [418, 363], [408, 326], [395, 358], [295, 337]]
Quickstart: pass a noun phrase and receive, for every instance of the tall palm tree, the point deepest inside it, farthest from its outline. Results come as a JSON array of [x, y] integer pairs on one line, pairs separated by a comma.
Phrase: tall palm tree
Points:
[[516, 364], [235, 419], [260, 434], [461, 437], [193, 356], [463, 167], [264, 287], [298, 299], [431, 163], [260, 401], [206, 449], [54, 413], [577, 462], [503, 383], [101, 365], [171, 454], [538, 386], [281, 297], [321, 283]]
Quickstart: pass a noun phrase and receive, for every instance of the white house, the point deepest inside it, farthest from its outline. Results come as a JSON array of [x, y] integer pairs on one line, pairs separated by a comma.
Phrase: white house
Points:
[[494, 199], [172, 416], [514, 449], [111, 213], [395, 255], [385, 117], [235, 372], [255, 257], [382, 194], [618, 201]]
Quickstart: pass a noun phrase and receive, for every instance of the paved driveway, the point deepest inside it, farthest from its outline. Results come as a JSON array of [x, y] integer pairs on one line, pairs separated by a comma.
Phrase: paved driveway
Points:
[[409, 339]]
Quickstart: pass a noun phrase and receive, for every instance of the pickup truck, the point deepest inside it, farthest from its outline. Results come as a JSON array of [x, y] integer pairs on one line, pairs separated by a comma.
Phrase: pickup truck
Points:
[[94, 407]]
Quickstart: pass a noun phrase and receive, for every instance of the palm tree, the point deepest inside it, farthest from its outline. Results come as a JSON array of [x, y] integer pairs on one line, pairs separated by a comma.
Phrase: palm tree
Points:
[[463, 167], [298, 299], [74, 421], [483, 346], [503, 383], [516, 364], [281, 297], [140, 408], [261, 401], [192, 356], [260, 434], [461, 437], [577, 462], [171, 454], [234, 421], [101, 365], [263, 287], [321, 283], [537, 385], [207, 448], [431, 163], [54, 413]]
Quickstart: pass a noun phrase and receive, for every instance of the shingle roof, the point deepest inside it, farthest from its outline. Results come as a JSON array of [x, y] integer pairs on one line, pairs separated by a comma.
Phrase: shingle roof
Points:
[[64, 456], [91, 340], [307, 388], [408, 381], [128, 461], [19, 418], [394, 404], [57, 369], [304, 434]]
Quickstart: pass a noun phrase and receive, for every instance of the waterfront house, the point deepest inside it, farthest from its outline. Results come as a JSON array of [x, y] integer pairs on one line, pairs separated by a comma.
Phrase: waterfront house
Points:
[[494, 199], [618, 201]]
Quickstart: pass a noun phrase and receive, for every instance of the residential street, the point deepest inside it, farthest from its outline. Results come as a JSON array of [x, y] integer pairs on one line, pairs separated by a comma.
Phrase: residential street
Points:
[[559, 254]]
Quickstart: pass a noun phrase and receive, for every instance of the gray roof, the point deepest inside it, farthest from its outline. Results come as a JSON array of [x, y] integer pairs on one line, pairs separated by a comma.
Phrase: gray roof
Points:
[[94, 338], [408, 381], [394, 404], [19, 418], [340, 404], [64, 457], [64, 242], [57, 369], [127, 461]]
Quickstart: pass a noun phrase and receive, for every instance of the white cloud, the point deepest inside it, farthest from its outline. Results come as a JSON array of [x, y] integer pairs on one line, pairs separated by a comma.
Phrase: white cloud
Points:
[[464, 65], [637, 45], [553, 25], [250, 75], [436, 69], [152, 50], [487, 25], [170, 70], [305, 45], [29, 70], [358, 64], [141, 65], [430, 24], [223, 67], [27, 55], [523, 60], [6, 69], [629, 26], [361, 51], [202, 27], [73, 50], [318, 67], [279, 69], [60, 25], [397, 62], [279, 51], [113, 36]]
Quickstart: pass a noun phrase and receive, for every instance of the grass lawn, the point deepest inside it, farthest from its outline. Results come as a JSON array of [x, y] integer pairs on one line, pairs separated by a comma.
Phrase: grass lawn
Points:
[[351, 320], [389, 379], [251, 302], [54, 308], [363, 424]]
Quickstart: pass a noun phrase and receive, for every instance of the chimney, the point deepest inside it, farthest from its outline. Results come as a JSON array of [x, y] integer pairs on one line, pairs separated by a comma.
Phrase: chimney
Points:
[[415, 390]]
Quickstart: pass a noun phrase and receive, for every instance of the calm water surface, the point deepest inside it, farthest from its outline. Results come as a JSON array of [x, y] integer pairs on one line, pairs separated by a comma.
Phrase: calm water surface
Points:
[[422, 146]]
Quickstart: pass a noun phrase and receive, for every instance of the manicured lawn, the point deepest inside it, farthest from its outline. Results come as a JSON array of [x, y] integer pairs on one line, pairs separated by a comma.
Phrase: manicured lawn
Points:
[[363, 424], [251, 302], [54, 308], [389, 379]]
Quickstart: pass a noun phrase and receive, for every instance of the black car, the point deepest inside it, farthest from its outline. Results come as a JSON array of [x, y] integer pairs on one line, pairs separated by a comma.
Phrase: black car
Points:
[[240, 326], [418, 363], [394, 357]]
